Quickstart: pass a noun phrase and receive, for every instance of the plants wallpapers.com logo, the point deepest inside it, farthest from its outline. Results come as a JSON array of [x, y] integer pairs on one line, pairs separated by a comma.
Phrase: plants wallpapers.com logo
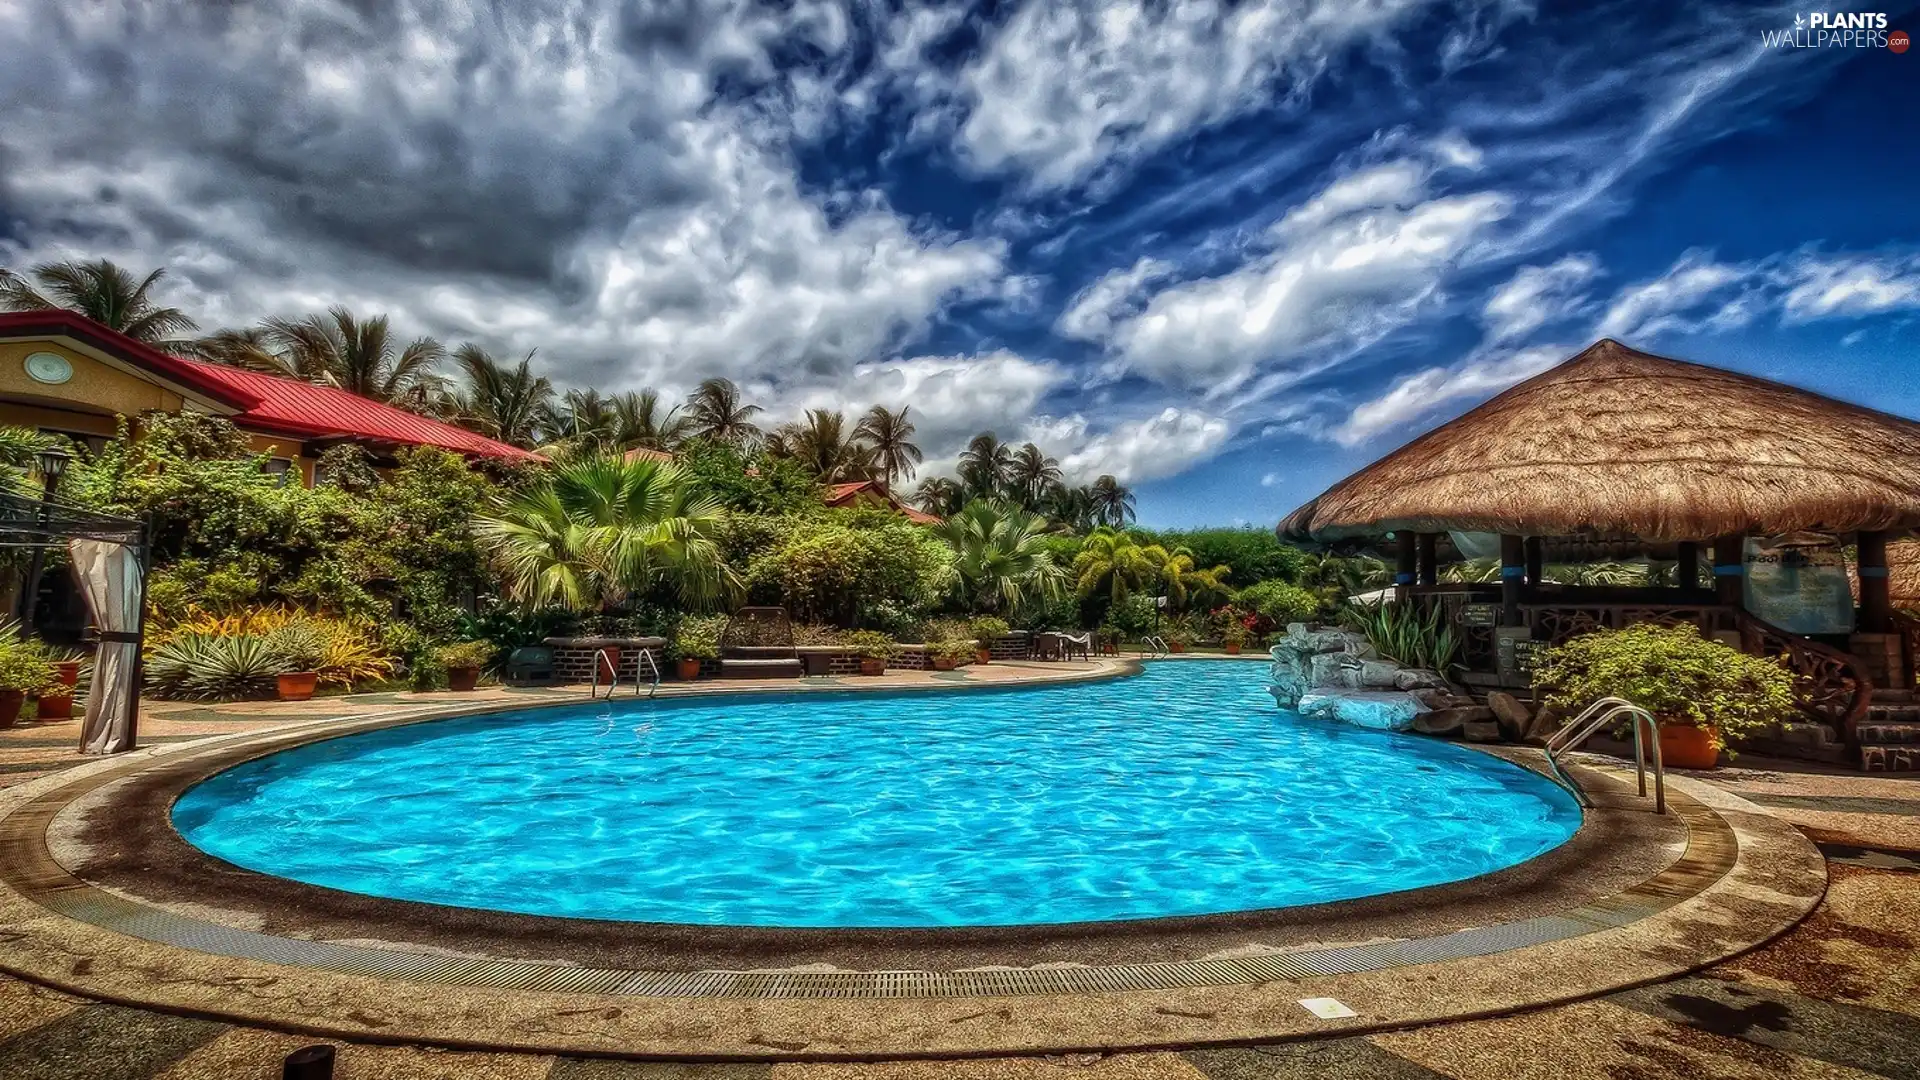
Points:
[[1844, 30]]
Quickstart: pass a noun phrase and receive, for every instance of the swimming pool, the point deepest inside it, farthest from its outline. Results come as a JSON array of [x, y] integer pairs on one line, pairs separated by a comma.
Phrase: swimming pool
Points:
[[1180, 791]]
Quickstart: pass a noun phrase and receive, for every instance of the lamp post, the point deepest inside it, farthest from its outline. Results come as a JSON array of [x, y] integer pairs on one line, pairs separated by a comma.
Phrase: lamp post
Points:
[[52, 462]]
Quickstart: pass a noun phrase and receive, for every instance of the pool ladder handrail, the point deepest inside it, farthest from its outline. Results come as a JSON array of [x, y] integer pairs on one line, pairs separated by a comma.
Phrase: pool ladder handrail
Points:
[[1597, 716], [1159, 645], [600, 658]]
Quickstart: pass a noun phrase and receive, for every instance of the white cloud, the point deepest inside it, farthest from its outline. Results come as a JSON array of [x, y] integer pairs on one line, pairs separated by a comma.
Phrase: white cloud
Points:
[[1091, 314], [1269, 479], [1165, 444], [1640, 312], [1064, 88], [1826, 287], [951, 398], [1536, 295], [1422, 393]]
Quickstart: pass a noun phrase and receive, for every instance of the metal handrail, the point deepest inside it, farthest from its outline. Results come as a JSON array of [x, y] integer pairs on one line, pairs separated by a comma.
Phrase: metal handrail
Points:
[[1159, 644], [646, 656], [1599, 715]]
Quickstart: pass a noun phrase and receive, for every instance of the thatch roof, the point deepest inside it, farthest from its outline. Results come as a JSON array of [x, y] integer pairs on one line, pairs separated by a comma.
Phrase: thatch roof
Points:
[[1617, 441], [1903, 572]]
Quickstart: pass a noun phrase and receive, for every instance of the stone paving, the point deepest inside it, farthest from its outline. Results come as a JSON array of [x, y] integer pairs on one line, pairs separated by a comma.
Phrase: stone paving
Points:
[[1837, 997]]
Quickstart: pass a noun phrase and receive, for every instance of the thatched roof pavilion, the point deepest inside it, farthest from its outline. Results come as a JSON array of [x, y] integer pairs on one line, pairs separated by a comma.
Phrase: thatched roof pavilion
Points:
[[1617, 441], [1619, 453]]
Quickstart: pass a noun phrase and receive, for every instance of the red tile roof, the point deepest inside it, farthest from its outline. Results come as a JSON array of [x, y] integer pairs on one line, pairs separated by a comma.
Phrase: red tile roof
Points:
[[647, 453], [845, 494], [307, 409], [269, 402]]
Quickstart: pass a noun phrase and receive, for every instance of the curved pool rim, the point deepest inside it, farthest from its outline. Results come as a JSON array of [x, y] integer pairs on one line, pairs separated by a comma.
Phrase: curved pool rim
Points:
[[1469, 757]]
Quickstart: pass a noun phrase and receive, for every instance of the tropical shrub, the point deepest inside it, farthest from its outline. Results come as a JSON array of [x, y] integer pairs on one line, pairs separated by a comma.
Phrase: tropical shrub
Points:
[[698, 637], [341, 651], [204, 667], [1000, 556], [816, 634], [1249, 554], [1407, 634], [1277, 603], [1135, 615], [988, 629], [870, 643], [25, 665], [467, 654], [957, 650], [300, 645], [1183, 630], [1673, 673], [852, 567]]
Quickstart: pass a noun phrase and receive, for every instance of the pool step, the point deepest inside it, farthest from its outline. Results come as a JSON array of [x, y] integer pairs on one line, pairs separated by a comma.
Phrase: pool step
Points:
[[738, 668]]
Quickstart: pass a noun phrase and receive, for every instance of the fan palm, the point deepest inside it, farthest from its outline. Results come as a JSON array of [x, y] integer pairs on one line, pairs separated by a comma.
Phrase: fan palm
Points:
[[358, 355], [1118, 564], [1031, 475], [984, 465], [1112, 502], [890, 434], [501, 402], [939, 496], [1000, 556], [1072, 507], [104, 292], [600, 528], [821, 446], [637, 421], [715, 411]]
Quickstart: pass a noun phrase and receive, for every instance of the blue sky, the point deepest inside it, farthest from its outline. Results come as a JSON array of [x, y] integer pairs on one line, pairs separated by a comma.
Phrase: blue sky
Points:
[[1225, 251]]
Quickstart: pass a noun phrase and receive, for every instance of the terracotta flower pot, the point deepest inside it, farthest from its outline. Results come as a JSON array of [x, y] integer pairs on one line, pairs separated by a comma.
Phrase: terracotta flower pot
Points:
[[1683, 746], [872, 665], [984, 656], [612, 653], [1176, 646], [57, 703], [1233, 648], [463, 678], [10, 702], [297, 685], [689, 668], [943, 663]]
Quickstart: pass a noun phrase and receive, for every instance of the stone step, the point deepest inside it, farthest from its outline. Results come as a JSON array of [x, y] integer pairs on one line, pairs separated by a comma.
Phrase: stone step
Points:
[[1888, 731], [760, 669], [1890, 757]]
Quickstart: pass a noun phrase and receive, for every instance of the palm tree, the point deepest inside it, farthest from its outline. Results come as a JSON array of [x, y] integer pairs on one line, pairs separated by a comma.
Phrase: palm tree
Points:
[[1072, 507], [1031, 475], [895, 456], [821, 446], [358, 356], [1112, 502], [599, 529], [714, 411], [1118, 564], [939, 496], [984, 464], [103, 292], [638, 422], [1000, 556], [501, 402], [250, 347]]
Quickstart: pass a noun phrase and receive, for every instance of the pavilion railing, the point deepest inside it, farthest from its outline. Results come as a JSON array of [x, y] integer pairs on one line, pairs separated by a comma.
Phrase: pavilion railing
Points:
[[1907, 625], [1833, 687]]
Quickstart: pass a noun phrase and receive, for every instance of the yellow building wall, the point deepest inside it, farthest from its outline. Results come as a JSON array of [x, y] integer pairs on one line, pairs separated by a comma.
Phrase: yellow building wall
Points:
[[94, 388], [281, 446]]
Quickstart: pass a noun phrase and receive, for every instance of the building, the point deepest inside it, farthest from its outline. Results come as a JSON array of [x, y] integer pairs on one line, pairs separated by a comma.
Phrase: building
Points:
[[60, 372], [872, 493]]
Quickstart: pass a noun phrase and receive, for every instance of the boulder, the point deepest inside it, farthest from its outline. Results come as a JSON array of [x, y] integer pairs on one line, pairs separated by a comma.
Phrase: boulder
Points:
[[1514, 717], [1418, 679], [1485, 731], [1335, 670], [1381, 710], [1545, 723], [1380, 675], [1448, 721]]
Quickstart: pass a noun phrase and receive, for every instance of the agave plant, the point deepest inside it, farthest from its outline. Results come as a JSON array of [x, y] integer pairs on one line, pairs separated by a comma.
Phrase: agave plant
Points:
[[1406, 634], [205, 668]]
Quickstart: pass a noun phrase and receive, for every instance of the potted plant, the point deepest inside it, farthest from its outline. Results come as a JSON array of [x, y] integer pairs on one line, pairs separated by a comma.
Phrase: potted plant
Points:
[[874, 649], [24, 669], [463, 662], [299, 649], [1232, 637], [1704, 694], [1178, 635], [697, 638], [986, 630], [950, 654], [56, 701]]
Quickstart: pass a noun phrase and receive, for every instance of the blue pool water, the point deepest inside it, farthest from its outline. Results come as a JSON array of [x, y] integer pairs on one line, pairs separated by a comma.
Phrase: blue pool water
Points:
[[1180, 791]]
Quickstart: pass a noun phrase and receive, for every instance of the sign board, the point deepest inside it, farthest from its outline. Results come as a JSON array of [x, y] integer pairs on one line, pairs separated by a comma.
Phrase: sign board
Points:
[[1799, 583], [1514, 654], [1480, 615]]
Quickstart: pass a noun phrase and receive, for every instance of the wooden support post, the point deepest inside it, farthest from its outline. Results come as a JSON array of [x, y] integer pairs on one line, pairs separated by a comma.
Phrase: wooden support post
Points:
[[1876, 598], [1730, 569], [1403, 573], [1688, 569], [1536, 560], [1426, 563], [1513, 569]]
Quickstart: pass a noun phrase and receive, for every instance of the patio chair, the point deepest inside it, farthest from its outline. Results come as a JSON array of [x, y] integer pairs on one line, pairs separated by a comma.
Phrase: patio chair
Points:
[[1071, 643], [1046, 646]]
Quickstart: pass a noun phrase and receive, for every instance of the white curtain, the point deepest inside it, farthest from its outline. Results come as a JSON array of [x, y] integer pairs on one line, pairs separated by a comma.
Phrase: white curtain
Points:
[[109, 577]]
